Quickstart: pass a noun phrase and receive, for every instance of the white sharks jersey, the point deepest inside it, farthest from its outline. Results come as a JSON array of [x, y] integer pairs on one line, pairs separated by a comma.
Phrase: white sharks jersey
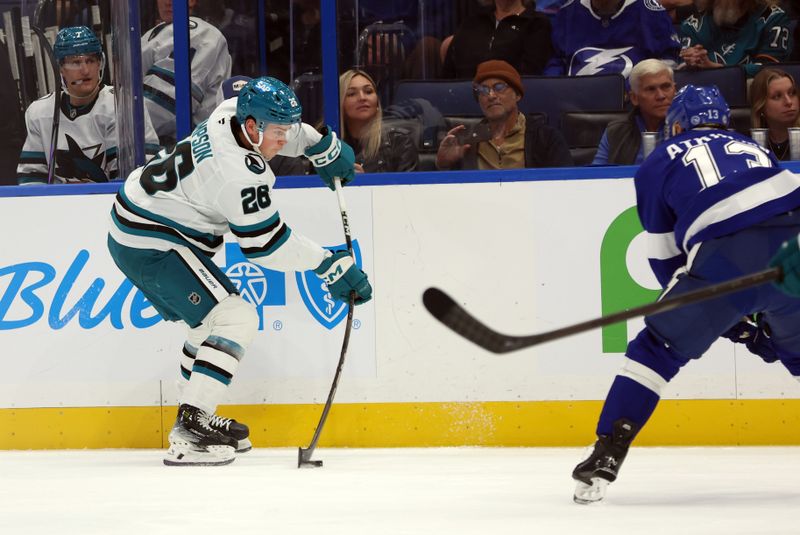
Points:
[[210, 184], [86, 150], [210, 66]]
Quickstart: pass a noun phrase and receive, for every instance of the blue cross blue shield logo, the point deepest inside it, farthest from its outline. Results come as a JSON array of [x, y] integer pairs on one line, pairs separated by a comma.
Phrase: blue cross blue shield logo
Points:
[[318, 300], [257, 285]]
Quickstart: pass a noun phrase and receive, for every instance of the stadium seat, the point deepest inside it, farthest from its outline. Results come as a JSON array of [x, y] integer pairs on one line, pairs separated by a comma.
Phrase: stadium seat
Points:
[[791, 68], [381, 51], [308, 88], [583, 131], [740, 120], [554, 95], [450, 97], [731, 81]]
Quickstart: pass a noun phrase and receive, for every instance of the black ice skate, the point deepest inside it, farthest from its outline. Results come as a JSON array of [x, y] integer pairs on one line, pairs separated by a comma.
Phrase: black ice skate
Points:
[[602, 465], [230, 427], [193, 442]]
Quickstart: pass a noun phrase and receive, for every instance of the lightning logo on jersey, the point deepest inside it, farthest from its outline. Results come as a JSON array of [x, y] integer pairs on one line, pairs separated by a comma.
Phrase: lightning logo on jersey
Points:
[[601, 61]]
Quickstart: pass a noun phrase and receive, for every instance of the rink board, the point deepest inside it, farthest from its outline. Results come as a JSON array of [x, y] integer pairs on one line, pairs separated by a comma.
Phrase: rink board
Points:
[[86, 360]]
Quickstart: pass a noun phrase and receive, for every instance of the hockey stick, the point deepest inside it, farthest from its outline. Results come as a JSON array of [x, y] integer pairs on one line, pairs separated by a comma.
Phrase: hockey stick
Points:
[[304, 454], [446, 310], [45, 44]]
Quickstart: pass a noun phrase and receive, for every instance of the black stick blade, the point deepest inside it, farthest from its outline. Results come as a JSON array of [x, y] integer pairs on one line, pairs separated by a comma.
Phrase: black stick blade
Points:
[[304, 459], [450, 313]]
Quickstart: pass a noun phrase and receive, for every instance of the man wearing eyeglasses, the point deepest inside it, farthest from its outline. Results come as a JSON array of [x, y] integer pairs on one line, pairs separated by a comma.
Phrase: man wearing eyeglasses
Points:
[[505, 138], [86, 145]]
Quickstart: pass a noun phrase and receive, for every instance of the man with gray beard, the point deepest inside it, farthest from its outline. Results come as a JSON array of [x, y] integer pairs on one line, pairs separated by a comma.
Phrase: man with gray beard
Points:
[[735, 32]]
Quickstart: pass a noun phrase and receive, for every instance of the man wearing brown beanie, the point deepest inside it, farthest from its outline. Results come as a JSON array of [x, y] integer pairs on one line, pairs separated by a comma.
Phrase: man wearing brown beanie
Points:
[[505, 138]]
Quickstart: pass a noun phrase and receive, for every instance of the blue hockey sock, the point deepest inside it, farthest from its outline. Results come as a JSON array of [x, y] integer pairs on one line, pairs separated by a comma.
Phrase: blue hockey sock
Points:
[[626, 399]]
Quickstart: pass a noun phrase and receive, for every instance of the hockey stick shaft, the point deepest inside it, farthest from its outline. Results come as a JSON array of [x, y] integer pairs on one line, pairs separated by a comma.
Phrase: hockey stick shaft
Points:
[[304, 454], [48, 49], [446, 310]]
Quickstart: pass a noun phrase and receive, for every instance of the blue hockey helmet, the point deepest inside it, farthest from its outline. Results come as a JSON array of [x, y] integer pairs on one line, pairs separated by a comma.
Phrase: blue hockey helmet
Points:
[[695, 106], [76, 41], [267, 100]]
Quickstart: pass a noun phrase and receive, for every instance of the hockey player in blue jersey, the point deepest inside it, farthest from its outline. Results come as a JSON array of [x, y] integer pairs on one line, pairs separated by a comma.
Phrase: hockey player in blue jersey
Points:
[[715, 206], [169, 219]]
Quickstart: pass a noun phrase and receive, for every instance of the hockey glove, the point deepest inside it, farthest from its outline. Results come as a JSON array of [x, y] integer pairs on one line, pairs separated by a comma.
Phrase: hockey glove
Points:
[[332, 157], [755, 336], [342, 275], [788, 259]]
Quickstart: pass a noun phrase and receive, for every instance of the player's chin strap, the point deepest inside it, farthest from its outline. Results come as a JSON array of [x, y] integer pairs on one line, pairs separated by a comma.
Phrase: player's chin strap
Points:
[[96, 90], [256, 146]]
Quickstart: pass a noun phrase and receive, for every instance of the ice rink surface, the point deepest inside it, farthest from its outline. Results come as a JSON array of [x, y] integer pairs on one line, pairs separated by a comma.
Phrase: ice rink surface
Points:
[[400, 491]]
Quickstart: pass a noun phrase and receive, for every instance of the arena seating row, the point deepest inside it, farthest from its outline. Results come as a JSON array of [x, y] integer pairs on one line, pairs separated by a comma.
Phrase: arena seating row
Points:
[[580, 107]]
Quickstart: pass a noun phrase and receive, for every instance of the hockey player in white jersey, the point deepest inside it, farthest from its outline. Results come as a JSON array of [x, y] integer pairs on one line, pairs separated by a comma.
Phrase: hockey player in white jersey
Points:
[[210, 66], [169, 218], [86, 149]]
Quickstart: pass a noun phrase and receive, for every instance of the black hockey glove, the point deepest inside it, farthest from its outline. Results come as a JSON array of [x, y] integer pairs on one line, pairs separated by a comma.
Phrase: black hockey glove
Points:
[[754, 334]]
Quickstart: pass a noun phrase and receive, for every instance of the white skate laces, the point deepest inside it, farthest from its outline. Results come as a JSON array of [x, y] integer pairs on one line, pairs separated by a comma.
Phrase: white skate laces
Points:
[[220, 422]]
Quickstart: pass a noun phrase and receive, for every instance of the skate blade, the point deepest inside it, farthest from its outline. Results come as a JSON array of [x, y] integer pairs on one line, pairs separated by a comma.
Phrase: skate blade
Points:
[[589, 494], [244, 446], [184, 454]]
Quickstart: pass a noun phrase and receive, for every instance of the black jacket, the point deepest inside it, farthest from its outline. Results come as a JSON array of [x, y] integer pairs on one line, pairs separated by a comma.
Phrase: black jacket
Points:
[[397, 152], [624, 140], [544, 147], [522, 40]]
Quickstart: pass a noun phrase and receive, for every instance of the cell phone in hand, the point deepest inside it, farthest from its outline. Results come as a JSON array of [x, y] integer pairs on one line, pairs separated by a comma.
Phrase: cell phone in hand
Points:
[[475, 134]]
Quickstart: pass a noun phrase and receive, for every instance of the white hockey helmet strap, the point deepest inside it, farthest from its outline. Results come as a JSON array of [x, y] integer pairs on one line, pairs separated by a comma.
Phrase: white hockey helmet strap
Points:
[[256, 146]]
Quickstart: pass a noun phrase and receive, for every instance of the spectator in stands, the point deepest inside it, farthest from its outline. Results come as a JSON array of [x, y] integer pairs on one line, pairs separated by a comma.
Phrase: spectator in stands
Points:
[[379, 147], [652, 91], [610, 36], [736, 32], [512, 141], [210, 66], [679, 10], [86, 144], [511, 30], [280, 165], [774, 105], [12, 128]]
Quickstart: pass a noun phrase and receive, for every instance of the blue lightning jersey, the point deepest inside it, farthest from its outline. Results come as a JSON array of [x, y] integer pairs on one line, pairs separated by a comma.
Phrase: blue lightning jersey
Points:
[[586, 43], [704, 184]]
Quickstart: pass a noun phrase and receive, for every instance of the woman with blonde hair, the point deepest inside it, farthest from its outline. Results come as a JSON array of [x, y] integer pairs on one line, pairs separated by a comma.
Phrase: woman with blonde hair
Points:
[[379, 147], [774, 105]]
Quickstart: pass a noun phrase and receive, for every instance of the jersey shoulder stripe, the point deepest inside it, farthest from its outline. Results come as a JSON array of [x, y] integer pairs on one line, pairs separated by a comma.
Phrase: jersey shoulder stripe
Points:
[[255, 230], [271, 246], [209, 240]]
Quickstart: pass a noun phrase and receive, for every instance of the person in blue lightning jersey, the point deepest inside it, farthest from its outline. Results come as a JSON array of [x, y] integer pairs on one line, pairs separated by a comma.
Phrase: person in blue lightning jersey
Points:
[[715, 206]]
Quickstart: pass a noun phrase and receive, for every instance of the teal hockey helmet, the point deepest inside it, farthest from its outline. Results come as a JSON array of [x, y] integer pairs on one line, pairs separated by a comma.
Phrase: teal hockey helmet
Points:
[[76, 41], [268, 100]]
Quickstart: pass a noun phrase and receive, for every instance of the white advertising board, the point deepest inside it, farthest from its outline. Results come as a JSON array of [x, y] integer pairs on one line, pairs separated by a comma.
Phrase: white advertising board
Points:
[[525, 257]]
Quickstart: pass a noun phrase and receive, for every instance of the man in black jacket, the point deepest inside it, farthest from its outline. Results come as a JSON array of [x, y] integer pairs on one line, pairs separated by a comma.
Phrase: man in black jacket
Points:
[[505, 138], [511, 30]]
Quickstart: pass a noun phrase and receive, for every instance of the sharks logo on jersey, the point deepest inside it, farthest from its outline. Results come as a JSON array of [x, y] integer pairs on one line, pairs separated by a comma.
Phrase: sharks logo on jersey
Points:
[[590, 60], [318, 299], [75, 164]]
